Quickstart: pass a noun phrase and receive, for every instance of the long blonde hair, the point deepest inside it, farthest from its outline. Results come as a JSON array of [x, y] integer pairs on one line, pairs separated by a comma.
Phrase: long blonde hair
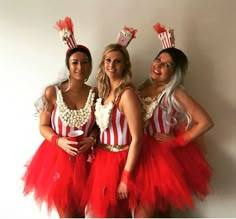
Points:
[[104, 85]]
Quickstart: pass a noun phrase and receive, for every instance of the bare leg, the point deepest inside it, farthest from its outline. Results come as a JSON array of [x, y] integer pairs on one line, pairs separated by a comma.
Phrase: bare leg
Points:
[[143, 212], [88, 212]]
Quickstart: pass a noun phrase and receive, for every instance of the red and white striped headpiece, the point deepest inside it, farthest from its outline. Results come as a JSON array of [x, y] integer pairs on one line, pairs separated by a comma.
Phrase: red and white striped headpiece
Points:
[[126, 35], [165, 34], [65, 28]]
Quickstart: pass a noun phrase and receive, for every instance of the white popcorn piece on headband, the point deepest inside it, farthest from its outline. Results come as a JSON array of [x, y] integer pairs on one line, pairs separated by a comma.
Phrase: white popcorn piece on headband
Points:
[[65, 28]]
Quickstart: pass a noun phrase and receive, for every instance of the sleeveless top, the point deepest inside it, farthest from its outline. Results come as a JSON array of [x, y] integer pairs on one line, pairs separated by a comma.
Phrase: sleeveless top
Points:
[[113, 124], [62, 118], [155, 115]]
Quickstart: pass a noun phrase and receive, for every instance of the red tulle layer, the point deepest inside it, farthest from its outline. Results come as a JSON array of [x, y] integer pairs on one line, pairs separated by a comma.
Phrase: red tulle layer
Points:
[[197, 171], [159, 178], [101, 192], [56, 179], [171, 176]]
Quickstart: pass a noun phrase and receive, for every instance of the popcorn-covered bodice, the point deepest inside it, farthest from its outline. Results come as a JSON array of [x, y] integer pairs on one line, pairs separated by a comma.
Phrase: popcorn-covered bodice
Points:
[[155, 115], [65, 120], [113, 124]]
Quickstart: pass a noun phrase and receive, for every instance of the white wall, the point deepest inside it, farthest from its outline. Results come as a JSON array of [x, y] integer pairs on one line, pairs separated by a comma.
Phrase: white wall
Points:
[[31, 55]]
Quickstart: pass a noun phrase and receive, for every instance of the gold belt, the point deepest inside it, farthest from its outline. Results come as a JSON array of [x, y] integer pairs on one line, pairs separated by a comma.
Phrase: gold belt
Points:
[[114, 148]]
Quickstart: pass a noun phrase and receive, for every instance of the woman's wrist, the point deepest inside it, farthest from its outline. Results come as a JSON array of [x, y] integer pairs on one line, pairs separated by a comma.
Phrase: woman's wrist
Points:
[[55, 139], [94, 139], [125, 176]]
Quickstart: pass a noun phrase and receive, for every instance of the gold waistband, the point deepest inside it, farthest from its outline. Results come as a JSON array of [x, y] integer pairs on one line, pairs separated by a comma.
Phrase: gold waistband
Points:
[[114, 148]]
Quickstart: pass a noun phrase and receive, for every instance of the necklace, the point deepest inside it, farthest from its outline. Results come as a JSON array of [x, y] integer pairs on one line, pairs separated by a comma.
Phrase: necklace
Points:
[[75, 118]]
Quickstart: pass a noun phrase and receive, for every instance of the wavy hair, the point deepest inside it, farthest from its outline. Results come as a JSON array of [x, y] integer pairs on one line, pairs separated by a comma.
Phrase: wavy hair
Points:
[[104, 85]]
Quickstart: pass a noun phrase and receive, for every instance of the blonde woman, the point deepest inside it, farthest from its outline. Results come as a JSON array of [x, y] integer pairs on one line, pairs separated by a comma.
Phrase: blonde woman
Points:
[[118, 114]]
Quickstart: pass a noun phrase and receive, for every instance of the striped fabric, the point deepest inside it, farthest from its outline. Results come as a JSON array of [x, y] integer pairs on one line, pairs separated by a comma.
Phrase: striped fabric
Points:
[[118, 131], [159, 122]]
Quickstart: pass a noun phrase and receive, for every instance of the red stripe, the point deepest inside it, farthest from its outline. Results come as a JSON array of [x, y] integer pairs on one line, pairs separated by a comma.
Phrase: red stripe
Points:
[[122, 122], [114, 125], [71, 40], [67, 130], [102, 137], [152, 124], [108, 131], [108, 135], [87, 126], [70, 45], [74, 42], [160, 121], [59, 122]]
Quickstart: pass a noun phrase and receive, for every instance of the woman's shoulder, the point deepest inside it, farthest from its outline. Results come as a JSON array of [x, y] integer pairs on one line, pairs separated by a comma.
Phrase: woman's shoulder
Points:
[[182, 96], [180, 92], [50, 92], [129, 90], [129, 94]]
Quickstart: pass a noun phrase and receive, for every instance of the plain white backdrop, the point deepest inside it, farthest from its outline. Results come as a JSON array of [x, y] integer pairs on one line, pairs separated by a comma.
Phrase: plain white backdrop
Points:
[[31, 55]]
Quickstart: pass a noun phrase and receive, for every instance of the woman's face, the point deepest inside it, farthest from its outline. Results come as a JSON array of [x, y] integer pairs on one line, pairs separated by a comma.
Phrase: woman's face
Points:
[[162, 68], [114, 65], [79, 66]]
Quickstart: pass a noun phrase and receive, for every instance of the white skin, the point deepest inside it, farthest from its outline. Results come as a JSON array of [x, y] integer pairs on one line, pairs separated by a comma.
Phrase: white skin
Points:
[[129, 104], [79, 68], [161, 71]]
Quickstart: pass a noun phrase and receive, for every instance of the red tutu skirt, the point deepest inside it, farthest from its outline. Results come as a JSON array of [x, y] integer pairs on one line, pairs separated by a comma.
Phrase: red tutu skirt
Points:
[[197, 171], [56, 179], [159, 178], [102, 184]]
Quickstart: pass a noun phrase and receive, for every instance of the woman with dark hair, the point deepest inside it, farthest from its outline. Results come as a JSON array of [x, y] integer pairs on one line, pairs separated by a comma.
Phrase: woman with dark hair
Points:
[[57, 172], [172, 167]]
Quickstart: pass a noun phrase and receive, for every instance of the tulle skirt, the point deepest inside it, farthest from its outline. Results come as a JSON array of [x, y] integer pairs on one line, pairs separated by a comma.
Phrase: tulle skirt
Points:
[[55, 178], [160, 178], [197, 171], [103, 181]]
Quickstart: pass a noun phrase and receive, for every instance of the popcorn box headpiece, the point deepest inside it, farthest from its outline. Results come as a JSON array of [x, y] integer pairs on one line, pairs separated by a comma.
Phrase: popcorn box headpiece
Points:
[[65, 28], [126, 35], [165, 34]]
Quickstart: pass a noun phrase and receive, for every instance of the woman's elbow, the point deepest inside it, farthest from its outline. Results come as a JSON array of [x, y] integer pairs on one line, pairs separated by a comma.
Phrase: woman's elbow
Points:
[[209, 124]]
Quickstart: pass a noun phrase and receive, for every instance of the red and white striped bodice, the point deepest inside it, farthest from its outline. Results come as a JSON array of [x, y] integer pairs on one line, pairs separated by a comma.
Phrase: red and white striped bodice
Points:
[[159, 121], [117, 130], [62, 129]]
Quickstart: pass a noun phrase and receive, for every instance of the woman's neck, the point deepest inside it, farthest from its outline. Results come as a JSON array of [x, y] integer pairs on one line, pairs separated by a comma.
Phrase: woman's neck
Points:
[[76, 87], [114, 85], [158, 85]]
